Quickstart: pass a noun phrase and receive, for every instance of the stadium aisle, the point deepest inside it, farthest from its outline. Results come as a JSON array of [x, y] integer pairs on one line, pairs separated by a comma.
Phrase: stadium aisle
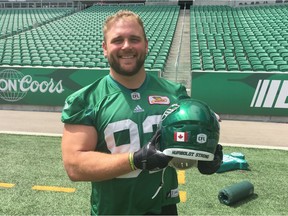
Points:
[[239, 133]]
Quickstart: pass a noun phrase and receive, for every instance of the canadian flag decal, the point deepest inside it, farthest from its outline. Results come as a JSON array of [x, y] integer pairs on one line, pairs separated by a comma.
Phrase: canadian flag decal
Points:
[[181, 136]]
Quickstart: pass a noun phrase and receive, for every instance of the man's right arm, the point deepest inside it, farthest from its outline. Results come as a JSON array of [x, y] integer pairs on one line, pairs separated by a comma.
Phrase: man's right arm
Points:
[[83, 163]]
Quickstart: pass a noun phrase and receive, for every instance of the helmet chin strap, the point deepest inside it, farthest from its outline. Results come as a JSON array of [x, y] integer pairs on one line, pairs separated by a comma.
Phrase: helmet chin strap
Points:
[[161, 185]]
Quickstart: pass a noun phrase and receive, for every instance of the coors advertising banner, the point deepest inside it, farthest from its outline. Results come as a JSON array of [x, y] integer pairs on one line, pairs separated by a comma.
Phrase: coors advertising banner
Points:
[[44, 86], [243, 93]]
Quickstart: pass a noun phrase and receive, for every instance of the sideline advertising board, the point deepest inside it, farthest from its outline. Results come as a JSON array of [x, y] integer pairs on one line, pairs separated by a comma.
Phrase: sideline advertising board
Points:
[[242, 93], [44, 86]]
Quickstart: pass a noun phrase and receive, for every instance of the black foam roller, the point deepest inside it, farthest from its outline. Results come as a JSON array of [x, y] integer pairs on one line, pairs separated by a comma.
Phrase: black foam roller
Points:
[[235, 192]]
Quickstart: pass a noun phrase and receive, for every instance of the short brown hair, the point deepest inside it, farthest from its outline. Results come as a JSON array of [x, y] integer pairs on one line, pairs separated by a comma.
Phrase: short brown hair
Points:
[[119, 15]]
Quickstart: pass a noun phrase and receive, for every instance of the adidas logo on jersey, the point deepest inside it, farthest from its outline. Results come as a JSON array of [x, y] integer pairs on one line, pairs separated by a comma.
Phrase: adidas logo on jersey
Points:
[[138, 109]]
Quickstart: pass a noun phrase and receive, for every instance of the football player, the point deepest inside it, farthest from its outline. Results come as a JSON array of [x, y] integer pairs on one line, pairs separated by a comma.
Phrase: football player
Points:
[[110, 128]]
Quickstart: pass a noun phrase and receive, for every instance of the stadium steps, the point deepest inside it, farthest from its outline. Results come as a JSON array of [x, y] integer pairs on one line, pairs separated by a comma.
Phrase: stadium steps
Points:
[[180, 73]]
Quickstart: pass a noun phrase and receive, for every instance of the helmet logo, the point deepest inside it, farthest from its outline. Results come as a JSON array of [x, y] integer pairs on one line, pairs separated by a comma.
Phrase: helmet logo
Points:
[[181, 136], [170, 110], [201, 138]]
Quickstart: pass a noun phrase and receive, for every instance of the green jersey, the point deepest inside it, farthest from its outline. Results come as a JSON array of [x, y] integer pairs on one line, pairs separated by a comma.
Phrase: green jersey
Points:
[[126, 120]]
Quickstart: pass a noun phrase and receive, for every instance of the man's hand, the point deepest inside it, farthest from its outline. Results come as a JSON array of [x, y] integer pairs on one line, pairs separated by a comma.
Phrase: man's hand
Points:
[[210, 167], [149, 158]]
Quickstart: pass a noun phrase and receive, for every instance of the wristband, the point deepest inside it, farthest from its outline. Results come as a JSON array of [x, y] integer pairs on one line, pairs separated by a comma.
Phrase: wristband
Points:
[[131, 161]]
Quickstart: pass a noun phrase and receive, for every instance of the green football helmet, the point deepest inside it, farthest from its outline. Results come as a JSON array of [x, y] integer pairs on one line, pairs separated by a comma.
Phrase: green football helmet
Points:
[[189, 130]]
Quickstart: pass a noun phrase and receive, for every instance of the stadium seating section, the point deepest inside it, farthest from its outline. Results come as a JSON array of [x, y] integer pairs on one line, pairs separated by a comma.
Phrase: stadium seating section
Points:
[[76, 40], [239, 39], [222, 38]]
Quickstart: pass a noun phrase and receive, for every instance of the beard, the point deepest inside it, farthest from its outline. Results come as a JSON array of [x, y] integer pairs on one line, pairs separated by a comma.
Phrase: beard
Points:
[[115, 65]]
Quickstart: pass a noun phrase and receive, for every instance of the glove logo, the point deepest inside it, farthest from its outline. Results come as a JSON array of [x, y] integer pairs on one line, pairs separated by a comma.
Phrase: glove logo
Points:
[[201, 138]]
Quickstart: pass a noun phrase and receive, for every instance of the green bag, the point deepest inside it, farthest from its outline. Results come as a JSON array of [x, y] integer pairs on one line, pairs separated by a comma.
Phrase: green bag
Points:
[[235, 192]]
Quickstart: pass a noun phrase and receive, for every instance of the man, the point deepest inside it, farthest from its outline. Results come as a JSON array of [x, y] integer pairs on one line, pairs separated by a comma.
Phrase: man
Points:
[[109, 123]]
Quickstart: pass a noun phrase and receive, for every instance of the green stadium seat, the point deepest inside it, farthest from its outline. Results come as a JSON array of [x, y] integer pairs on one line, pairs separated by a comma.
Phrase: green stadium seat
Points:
[[258, 67], [232, 67], [79, 64], [90, 56], [36, 62], [283, 68], [262, 55], [147, 65], [271, 67], [208, 66], [85, 60], [57, 63], [151, 58], [149, 61], [274, 54], [27, 62], [16, 62], [45, 58], [59, 52], [47, 63], [101, 64], [245, 67], [158, 66], [284, 54], [281, 62], [196, 66], [267, 62], [90, 64], [252, 54], [160, 61], [68, 64], [265, 58], [56, 58], [75, 59], [43, 55], [6, 62], [72, 55], [220, 67], [96, 60], [81, 56], [64, 59]]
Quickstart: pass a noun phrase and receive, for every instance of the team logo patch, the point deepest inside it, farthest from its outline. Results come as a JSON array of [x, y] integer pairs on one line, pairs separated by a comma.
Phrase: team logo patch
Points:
[[181, 136], [159, 100], [135, 96], [201, 138]]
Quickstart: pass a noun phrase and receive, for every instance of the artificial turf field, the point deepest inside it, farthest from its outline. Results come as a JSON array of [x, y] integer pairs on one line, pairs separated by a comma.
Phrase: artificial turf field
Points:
[[33, 182]]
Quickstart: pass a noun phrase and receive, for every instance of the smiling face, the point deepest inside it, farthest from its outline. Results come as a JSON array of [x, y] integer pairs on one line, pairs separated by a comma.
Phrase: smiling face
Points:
[[125, 45]]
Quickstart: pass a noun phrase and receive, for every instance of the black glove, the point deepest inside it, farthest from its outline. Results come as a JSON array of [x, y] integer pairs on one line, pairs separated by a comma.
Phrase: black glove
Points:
[[149, 158], [210, 167]]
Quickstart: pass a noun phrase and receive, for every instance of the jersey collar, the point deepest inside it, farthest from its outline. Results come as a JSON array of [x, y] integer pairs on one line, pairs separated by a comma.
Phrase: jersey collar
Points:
[[119, 86]]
